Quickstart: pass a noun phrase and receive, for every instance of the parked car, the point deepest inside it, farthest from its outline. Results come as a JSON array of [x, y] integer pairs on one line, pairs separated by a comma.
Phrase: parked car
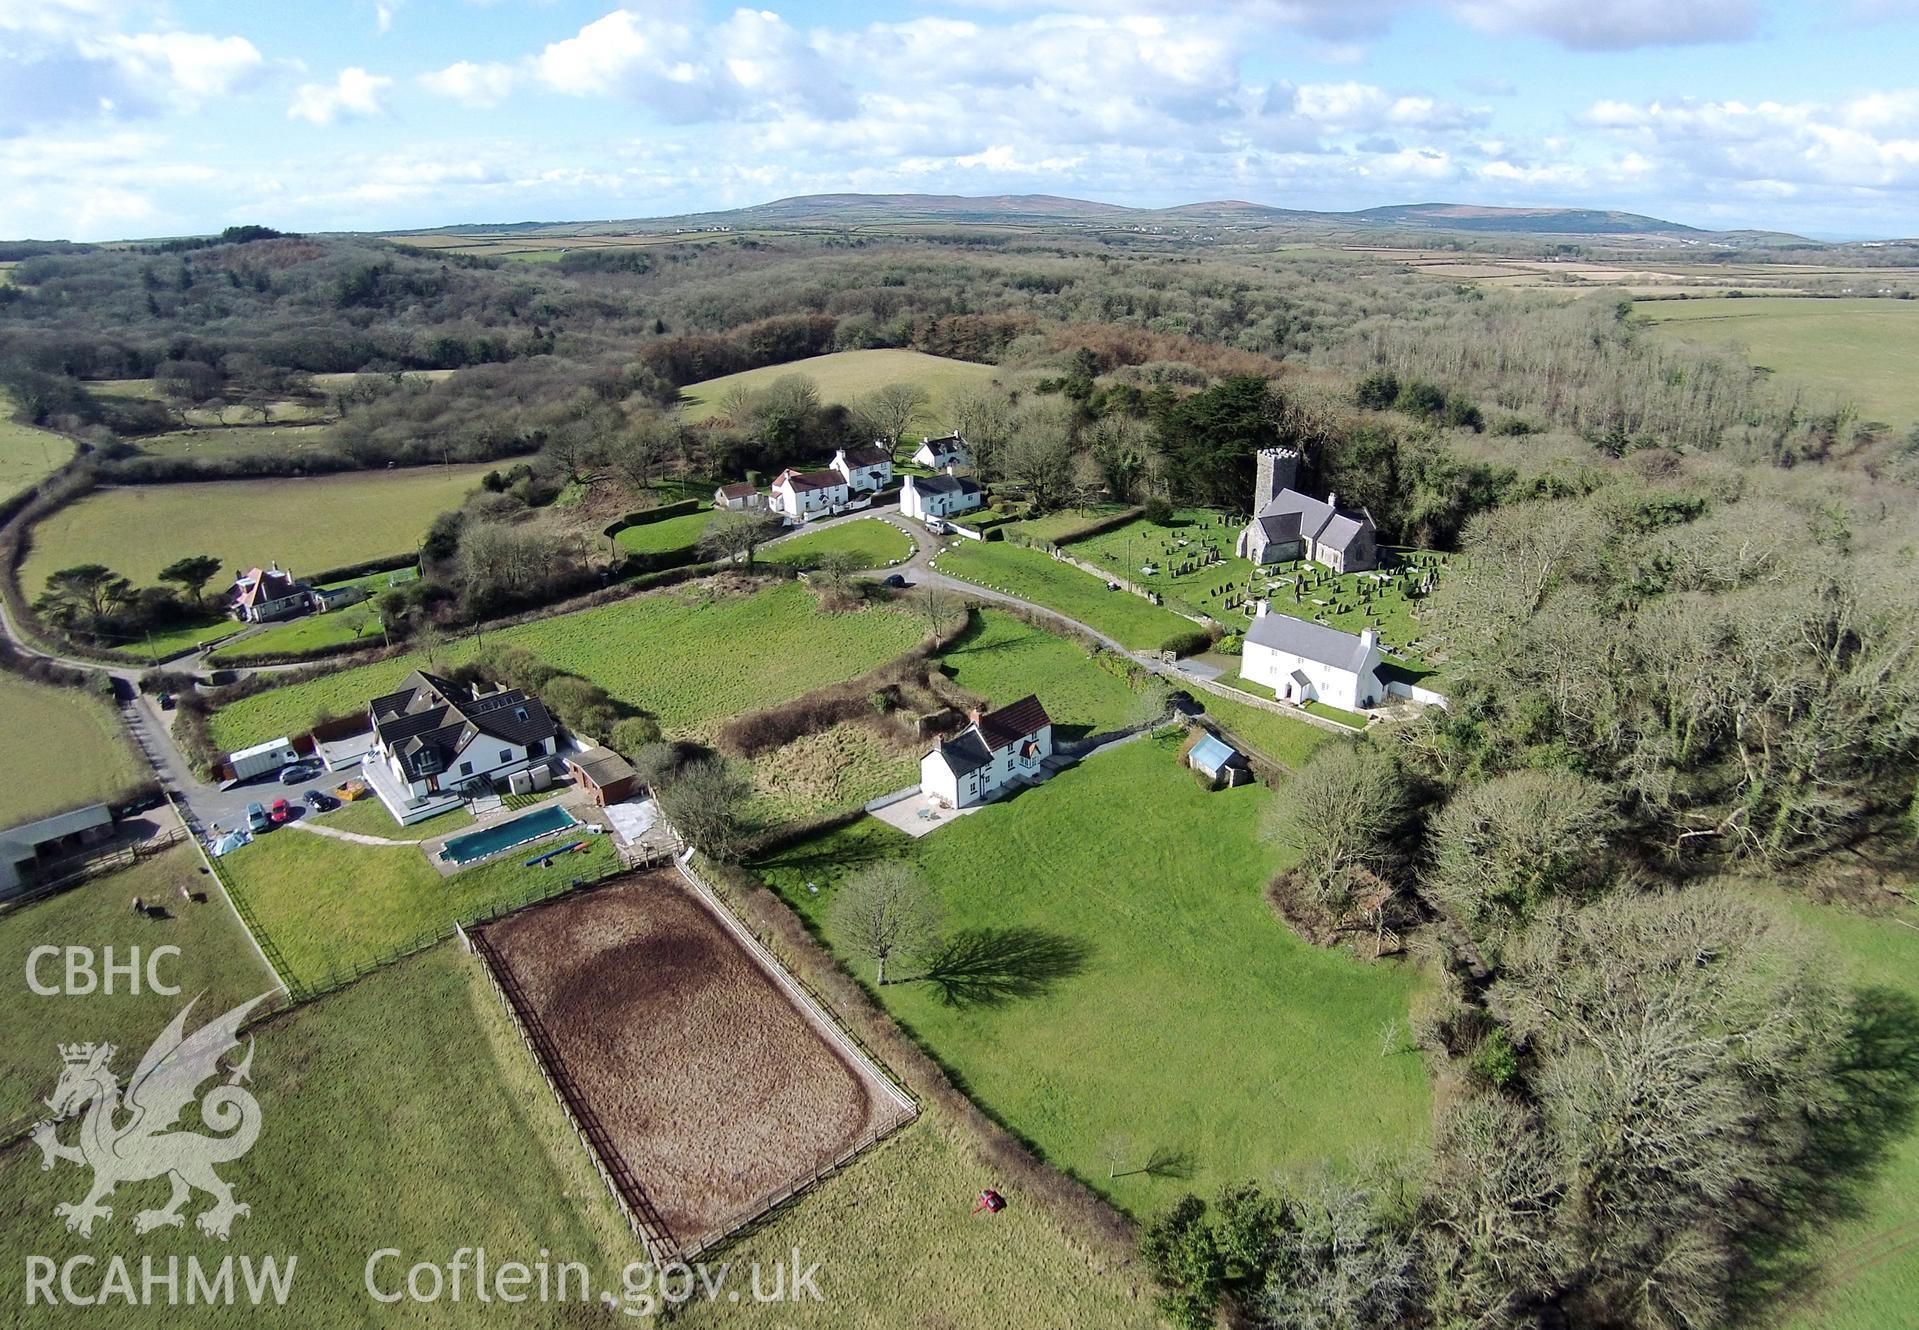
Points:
[[295, 772], [318, 802], [257, 819], [894, 580], [281, 811]]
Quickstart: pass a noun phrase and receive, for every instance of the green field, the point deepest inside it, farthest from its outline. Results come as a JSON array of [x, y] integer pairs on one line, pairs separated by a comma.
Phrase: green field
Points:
[[688, 656], [27, 454], [1053, 526], [368, 817], [1128, 619], [306, 525], [1194, 1023], [215, 959], [401, 1113], [1289, 743], [331, 905], [848, 375], [667, 536], [873, 542], [907, 1206], [1867, 1267], [1857, 351], [218, 445], [83, 753], [312, 632], [1001, 659]]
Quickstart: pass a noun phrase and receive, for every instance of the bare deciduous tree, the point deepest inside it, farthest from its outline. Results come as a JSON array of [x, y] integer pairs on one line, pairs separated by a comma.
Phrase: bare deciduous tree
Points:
[[1344, 810], [738, 533], [889, 411], [885, 911], [705, 800]]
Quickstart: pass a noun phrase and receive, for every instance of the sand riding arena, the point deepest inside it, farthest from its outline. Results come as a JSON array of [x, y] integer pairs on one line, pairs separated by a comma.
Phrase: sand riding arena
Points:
[[709, 1086]]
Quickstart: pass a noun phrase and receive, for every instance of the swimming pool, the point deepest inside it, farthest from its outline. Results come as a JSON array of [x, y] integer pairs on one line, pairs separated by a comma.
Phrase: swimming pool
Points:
[[479, 844]]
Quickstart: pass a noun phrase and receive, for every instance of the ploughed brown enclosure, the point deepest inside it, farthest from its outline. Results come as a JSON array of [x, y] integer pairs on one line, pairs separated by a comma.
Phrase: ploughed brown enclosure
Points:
[[716, 1087]]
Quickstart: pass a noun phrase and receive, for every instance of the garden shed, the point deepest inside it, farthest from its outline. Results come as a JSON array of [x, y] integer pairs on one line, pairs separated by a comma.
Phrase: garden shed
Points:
[[1218, 761]]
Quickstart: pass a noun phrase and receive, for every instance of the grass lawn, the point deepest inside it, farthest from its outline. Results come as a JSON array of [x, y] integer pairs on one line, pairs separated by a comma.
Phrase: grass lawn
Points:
[[1055, 525], [667, 535], [1002, 659], [1191, 557], [182, 638], [1858, 351], [873, 542], [1352, 720], [313, 632], [845, 765], [306, 525], [1290, 743], [215, 959], [1868, 1264], [907, 1206], [400, 1113], [216, 443], [1193, 1021], [369, 817], [89, 757], [27, 454], [847, 375], [1128, 619], [331, 905], [690, 656]]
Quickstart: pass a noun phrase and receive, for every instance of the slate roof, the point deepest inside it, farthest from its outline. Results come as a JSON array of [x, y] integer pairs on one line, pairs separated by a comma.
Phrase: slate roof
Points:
[[603, 766], [430, 720], [814, 480], [946, 448], [869, 454], [1309, 641], [1290, 514], [945, 485], [965, 752]]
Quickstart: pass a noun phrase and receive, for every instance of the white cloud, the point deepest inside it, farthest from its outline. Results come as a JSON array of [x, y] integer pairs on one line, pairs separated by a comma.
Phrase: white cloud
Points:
[[471, 84], [66, 60], [1616, 25], [353, 94], [189, 65]]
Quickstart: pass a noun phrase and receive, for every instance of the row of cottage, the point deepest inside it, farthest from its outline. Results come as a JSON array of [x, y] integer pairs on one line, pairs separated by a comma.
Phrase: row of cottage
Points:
[[856, 475]]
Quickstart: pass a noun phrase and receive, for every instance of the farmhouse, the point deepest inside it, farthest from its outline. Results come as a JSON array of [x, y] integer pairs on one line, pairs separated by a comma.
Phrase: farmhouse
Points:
[[1309, 662], [436, 738], [804, 495], [867, 470], [938, 454], [923, 497], [742, 495], [262, 595], [1289, 525], [998, 751]]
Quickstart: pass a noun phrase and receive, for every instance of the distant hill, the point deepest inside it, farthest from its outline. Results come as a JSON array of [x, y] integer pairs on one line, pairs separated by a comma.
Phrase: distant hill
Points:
[[859, 210]]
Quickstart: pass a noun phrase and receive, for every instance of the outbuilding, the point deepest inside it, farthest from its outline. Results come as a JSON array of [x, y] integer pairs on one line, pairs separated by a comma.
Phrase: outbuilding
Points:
[[604, 774], [1218, 761]]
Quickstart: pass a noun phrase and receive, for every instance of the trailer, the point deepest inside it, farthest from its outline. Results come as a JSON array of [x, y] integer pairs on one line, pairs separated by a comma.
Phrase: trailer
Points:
[[262, 758]]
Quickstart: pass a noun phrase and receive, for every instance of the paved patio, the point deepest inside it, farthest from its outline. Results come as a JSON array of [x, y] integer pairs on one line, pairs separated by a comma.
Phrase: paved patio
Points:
[[922, 814]]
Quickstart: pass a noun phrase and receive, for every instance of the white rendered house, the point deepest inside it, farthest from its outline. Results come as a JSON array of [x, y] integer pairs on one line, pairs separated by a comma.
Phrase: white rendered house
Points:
[[924, 497], [1309, 662], [998, 751], [938, 454], [804, 495], [435, 737], [866, 469]]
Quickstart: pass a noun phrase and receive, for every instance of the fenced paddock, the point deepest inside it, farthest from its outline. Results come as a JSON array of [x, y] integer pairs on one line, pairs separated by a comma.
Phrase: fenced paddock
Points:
[[708, 1086]]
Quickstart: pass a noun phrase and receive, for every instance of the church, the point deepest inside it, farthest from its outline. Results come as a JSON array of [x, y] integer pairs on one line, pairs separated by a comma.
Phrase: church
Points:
[[1289, 525]]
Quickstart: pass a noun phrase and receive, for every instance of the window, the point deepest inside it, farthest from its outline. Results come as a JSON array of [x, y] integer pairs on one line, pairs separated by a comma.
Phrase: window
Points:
[[537, 748], [466, 768], [506, 755]]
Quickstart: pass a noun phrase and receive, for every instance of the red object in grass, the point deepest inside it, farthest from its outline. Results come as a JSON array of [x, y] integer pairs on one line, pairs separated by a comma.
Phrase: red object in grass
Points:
[[280, 811], [990, 1201]]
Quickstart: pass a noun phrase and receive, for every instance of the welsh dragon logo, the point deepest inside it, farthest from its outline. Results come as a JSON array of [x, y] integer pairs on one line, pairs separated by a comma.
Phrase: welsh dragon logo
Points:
[[133, 1137]]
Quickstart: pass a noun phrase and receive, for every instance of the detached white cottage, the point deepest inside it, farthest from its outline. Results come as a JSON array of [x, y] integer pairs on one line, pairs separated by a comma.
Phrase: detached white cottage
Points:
[[804, 495], [938, 454], [867, 469], [923, 497], [999, 750], [436, 737], [1309, 662]]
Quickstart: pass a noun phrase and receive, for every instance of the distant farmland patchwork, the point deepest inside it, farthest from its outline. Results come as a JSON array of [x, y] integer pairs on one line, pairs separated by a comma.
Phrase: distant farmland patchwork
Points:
[[1845, 351]]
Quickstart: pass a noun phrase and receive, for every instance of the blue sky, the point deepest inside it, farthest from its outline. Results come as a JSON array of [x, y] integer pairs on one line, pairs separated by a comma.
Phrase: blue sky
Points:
[[135, 118]]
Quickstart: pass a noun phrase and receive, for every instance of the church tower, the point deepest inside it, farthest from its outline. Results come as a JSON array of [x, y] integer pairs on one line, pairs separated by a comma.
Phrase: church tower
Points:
[[1277, 469]]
